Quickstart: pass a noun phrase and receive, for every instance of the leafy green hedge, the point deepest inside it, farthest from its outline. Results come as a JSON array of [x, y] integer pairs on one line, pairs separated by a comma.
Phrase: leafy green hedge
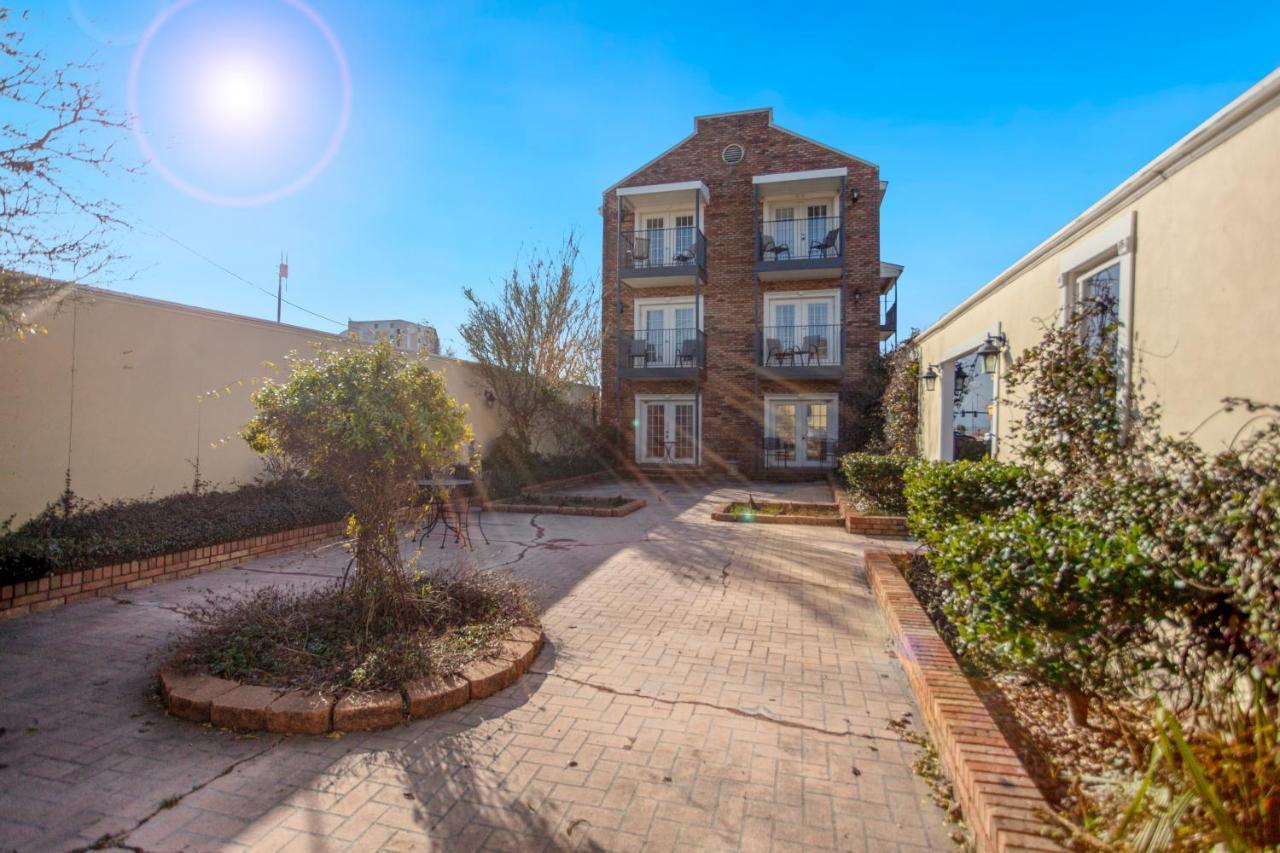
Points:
[[874, 481], [940, 494], [508, 468], [100, 534]]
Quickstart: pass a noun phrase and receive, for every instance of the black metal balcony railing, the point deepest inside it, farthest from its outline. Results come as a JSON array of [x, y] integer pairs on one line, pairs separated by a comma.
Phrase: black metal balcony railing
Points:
[[801, 239], [658, 248], [800, 346], [663, 348], [890, 321]]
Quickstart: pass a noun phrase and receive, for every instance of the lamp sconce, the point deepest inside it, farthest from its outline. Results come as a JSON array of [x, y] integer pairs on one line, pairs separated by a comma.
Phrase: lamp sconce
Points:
[[857, 296], [854, 195], [490, 398], [930, 377], [990, 352]]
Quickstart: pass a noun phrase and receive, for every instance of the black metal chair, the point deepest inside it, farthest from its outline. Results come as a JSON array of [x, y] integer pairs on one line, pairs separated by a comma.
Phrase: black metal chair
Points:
[[814, 348], [687, 354], [638, 251], [777, 451], [685, 255], [642, 350], [768, 246], [830, 242]]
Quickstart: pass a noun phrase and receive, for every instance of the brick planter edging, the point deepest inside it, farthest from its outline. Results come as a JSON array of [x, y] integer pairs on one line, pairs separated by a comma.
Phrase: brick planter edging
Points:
[[798, 517], [1000, 801], [886, 526], [242, 707], [549, 509], [66, 587]]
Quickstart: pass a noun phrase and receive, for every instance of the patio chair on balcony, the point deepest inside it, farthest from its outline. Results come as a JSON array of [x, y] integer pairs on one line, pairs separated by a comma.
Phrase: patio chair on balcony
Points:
[[687, 354], [642, 350], [685, 255], [814, 348], [638, 251], [775, 351], [768, 246], [829, 242]]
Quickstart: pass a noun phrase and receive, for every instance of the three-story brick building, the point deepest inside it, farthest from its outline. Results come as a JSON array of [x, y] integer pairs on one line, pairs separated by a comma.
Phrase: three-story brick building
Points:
[[744, 296]]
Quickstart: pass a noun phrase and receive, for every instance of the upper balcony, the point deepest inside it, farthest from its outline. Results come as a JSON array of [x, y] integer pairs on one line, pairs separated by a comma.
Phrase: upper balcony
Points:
[[662, 354], [660, 238], [801, 226], [800, 352], [656, 257]]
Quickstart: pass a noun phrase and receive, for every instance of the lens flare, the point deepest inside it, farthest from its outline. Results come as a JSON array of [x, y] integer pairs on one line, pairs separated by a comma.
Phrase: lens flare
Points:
[[234, 97]]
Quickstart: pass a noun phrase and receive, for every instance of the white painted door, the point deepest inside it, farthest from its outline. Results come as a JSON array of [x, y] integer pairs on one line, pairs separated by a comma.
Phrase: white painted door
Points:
[[665, 328], [668, 432]]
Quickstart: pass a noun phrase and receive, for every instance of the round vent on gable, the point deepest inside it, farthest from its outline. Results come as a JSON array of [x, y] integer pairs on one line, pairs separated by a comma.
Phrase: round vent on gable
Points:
[[732, 154]]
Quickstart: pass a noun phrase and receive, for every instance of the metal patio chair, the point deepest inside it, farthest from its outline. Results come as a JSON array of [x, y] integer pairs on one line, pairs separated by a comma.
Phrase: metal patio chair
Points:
[[687, 354], [830, 242], [638, 251], [769, 247]]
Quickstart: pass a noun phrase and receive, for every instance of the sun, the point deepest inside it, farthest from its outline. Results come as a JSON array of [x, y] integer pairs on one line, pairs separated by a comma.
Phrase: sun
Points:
[[239, 94]]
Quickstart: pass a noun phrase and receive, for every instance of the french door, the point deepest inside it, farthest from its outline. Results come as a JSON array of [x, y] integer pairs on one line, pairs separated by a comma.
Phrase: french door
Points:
[[806, 326], [665, 329], [800, 431], [668, 432]]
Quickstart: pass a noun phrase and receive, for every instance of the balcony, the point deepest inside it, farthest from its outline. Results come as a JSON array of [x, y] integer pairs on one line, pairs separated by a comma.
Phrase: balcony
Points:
[[800, 248], [660, 257], [800, 352], [662, 354], [889, 325]]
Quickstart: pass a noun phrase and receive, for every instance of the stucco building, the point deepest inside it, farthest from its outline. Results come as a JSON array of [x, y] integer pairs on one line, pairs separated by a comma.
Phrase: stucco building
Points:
[[1189, 247], [743, 295], [403, 335]]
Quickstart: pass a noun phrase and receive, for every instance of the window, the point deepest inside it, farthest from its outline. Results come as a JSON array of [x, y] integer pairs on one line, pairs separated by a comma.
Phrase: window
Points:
[[1098, 294]]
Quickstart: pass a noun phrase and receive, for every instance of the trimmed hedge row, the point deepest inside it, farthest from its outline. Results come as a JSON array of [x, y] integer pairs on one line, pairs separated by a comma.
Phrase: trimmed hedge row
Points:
[[874, 481], [940, 494], [105, 533]]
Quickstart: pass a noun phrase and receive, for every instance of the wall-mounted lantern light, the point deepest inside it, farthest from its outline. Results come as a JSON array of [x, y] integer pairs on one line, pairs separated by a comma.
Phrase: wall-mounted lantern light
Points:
[[930, 377], [990, 352], [854, 195], [490, 398]]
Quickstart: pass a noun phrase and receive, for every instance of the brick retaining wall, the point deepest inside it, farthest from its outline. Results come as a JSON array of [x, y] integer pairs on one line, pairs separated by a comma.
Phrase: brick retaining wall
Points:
[[1001, 803], [55, 590]]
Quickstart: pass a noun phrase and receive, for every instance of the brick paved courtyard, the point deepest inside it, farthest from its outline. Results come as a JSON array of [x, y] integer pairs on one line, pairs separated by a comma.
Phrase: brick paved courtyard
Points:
[[705, 686]]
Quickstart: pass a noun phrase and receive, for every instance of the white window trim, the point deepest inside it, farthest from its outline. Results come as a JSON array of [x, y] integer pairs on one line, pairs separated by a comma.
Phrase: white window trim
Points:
[[1114, 242], [642, 424], [642, 303]]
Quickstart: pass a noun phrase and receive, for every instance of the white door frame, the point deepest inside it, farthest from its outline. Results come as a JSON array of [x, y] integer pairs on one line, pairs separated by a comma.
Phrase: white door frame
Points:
[[833, 418], [642, 426]]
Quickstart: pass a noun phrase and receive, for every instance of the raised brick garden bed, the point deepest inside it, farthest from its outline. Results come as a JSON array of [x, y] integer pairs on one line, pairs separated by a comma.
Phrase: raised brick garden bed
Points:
[[780, 512], [882, 526], [243, 707], [1000, 801], [568, 505], [66, 587], [556, 485]]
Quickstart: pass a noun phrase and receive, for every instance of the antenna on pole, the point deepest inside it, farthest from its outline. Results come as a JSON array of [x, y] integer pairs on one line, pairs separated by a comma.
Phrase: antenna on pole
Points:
[[280, 280]]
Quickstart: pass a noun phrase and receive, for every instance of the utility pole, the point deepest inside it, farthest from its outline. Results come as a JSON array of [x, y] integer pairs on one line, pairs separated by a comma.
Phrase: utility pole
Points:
[[283, 273]]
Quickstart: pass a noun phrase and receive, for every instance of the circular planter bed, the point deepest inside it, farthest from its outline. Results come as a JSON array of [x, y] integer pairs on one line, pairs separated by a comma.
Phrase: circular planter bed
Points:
[[203, 698], [780, 512], [611, 507]]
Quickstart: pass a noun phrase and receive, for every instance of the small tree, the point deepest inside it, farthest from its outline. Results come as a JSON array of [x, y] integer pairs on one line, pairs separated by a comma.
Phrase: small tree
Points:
[[540, 336], [373, 422], [900, 404], [53, 233]]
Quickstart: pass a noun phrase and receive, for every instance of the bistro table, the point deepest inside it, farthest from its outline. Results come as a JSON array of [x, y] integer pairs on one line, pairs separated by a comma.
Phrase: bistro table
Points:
[[449, 504]]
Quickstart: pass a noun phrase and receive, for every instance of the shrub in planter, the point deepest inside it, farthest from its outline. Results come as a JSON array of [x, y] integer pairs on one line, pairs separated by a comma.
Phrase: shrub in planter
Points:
[[940, 494], [874, 481], [1063, 602], [508, 467]]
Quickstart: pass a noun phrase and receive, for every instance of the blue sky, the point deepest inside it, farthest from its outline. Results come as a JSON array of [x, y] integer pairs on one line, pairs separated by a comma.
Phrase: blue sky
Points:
[[478, 132]]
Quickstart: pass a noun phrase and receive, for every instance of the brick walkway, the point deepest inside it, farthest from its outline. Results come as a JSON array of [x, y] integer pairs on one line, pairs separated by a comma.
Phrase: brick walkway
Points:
[[705, 686]]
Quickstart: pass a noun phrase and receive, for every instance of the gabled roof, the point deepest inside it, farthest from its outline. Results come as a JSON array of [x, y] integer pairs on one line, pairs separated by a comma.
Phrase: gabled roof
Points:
[[768, 111]]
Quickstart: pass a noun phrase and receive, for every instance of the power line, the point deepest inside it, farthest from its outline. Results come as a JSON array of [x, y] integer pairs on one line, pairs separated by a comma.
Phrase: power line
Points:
[[161, 233]]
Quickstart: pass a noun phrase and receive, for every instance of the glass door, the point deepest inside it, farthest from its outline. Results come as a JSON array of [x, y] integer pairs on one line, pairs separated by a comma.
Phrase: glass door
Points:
[[816, 227], [653, 227], [817, 433], [670, 432], [800, 432], [669, 334]]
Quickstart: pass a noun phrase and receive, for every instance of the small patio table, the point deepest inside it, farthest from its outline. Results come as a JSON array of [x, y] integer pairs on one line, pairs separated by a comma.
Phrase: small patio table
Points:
[[449, 504]]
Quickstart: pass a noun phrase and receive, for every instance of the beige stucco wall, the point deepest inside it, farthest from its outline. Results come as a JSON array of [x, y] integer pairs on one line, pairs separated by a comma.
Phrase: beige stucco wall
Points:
[[140, 366], [1205, 289]]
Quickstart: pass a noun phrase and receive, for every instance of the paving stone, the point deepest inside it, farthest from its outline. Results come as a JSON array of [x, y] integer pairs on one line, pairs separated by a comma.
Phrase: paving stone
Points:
[[243, 709], [357, 712], [430, 696], [300, 712]]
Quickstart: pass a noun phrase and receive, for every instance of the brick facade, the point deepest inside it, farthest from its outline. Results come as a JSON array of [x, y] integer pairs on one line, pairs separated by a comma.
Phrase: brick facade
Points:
[[732, 409]]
